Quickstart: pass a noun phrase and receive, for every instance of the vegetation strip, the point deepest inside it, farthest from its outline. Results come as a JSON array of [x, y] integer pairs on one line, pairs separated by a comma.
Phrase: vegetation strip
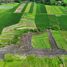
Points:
[[31, 8], [19, 9], [28, 7]]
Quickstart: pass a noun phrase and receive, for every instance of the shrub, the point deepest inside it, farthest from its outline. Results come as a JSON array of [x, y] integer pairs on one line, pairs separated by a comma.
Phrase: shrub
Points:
[[59, 3]]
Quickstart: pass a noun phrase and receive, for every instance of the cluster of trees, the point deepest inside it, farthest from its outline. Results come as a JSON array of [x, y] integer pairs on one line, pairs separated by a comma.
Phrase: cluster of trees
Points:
[[41, 1], [60, 2], [53, 2], [7, 1]]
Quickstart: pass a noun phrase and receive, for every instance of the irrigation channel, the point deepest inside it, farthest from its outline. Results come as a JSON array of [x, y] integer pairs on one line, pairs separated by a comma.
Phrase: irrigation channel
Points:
[[25, 47]]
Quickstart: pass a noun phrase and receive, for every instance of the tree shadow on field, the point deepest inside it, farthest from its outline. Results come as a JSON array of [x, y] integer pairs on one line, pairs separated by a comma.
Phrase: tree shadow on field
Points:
[[9, 18]]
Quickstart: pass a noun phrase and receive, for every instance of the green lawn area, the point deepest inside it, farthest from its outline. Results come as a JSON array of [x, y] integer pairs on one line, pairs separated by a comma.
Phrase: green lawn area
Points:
[[40, 40]]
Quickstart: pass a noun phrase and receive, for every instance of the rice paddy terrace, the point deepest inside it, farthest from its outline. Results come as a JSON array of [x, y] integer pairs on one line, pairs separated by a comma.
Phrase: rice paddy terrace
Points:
[[33, 35]]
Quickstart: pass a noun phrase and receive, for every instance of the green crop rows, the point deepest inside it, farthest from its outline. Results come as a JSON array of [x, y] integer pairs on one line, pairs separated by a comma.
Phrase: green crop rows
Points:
[[40, 41]]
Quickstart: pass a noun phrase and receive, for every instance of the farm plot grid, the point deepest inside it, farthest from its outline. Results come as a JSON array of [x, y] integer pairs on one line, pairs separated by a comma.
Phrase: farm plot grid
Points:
[[36, 18], [61, 42], [33, 61]]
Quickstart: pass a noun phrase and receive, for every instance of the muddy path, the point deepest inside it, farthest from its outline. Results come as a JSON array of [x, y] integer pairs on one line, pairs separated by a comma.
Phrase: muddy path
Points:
[[52, 40]]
